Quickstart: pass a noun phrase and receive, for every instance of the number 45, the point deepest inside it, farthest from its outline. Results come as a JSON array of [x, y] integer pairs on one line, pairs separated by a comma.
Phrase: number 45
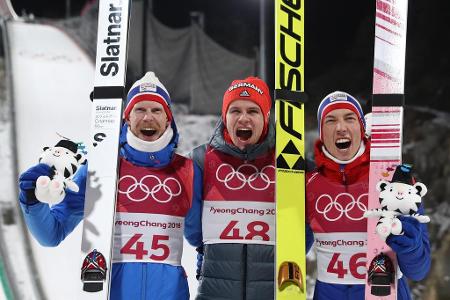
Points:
[[139, 250]]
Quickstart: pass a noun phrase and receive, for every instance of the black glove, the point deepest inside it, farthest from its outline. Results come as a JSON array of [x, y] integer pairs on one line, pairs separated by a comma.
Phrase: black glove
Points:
[[27, 182]]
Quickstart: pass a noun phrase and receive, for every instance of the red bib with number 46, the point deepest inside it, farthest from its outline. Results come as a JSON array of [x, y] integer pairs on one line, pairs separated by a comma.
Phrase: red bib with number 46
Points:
[[336, 215], [238, 199], [151, 207]]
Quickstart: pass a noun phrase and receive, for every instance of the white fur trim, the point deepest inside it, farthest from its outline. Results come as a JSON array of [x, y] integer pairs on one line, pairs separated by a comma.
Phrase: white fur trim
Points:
[[154, 146], [360, 152]]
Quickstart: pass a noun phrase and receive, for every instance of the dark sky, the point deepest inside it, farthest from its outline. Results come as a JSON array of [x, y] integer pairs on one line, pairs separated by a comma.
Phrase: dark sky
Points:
[[338, 39]]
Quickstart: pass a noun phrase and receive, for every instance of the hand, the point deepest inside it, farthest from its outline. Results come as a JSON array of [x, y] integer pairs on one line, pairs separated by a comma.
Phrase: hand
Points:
[[410, 240], [27, 182]]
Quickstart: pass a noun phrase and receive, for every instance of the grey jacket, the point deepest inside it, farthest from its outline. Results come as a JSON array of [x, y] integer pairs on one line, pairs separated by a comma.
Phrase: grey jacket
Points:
[[236, 271]]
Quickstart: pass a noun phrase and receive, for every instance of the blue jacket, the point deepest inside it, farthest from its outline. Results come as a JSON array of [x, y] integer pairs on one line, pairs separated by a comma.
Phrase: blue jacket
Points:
[[146, 281]]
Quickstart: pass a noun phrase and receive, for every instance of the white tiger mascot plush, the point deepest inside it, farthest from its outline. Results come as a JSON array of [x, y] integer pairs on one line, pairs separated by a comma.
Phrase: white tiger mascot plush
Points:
[[401, 196], [64, 161]]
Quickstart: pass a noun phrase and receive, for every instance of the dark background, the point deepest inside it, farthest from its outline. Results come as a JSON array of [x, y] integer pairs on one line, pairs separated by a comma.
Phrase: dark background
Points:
[[338, 40]]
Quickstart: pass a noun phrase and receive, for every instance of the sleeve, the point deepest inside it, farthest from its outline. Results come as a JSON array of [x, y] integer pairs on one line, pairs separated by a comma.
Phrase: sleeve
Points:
[[412, 248], [51, 225], [193, 220], [308, 215], [309, 237]]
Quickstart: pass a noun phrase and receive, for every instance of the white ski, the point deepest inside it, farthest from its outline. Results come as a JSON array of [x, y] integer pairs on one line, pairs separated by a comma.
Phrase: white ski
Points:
[[100, 204]]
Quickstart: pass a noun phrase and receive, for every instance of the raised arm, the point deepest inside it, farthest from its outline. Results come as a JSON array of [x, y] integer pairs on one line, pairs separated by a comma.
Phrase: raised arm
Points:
[[50, 225]]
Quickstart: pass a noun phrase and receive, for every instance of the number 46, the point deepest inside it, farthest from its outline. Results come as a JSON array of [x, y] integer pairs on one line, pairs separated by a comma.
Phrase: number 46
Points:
[[336, 266]]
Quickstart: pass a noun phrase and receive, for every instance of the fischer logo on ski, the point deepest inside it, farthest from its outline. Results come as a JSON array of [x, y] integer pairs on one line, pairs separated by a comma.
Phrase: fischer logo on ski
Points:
[[290, 264]]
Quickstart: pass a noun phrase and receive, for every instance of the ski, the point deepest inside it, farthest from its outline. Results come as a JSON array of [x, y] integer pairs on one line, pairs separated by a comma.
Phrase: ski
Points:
[[386, 136], [290, 252], [100, 203]]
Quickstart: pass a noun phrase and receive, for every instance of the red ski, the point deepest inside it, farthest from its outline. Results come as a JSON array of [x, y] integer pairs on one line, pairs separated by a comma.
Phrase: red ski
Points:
[[386, 141]]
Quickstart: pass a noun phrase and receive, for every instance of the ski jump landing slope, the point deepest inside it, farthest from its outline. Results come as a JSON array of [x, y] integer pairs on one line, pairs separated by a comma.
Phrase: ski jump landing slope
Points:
[[52, 78], [51, 81]]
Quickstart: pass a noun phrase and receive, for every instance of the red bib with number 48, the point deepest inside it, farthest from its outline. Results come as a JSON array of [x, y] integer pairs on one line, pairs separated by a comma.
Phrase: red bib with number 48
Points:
[[239, 198], [151, 207]]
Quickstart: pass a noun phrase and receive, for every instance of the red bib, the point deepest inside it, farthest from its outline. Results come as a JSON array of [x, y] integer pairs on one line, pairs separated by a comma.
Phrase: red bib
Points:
[[336, 215], [151, 206], [160, 191], [239, 199]]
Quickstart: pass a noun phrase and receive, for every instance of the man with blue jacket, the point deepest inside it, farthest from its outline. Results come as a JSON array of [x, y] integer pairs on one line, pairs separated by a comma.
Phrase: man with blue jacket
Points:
[[156, 187]]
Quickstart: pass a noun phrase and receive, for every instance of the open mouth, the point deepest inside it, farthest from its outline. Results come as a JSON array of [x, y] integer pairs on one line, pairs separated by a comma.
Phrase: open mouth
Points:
[[244, 133], [148, 131], [343, 144]]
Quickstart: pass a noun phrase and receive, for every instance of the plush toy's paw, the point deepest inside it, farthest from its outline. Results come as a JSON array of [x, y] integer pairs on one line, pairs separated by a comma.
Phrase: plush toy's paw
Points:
[[42, 182], [422, 219], [383, 231], [49, 191], [41, 190], [396, 228], [71, 185], [385, 226], [371, 213]]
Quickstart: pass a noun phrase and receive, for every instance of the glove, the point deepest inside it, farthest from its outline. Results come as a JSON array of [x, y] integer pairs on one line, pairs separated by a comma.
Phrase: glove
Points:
[[27, 182], [200, 255], [410, 240]]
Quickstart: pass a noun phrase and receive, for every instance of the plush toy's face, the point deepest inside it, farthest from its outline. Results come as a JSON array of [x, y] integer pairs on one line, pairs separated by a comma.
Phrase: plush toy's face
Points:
[[64, 161], [401, 197]]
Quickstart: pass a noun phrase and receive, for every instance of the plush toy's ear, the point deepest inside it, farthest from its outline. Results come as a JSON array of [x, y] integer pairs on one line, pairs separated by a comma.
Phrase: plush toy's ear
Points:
[[381, 185], [421, 189], [45, 148]]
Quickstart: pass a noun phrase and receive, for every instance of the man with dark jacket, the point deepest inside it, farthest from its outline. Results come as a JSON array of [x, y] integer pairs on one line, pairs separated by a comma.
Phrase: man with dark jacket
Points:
[[238, 220]]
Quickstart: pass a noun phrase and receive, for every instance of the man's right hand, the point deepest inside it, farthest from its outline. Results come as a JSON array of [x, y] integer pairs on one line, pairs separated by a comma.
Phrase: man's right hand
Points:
[[27, 182]]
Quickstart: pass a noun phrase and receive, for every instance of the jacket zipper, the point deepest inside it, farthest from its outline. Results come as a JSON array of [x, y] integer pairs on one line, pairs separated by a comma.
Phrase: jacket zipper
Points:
[[244, 296], [144, 282], [344, 178]]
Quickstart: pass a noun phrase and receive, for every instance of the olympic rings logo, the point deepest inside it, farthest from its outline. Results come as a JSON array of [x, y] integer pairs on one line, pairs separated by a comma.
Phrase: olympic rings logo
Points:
[[236, 179], [333, 210], [166, 189]]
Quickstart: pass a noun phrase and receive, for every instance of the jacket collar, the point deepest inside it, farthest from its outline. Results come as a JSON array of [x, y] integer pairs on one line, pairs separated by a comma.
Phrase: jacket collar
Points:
[[252, 152], [156, 159], [343, 173]]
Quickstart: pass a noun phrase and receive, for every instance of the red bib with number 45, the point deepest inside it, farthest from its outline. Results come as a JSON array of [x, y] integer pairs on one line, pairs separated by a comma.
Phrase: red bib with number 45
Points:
[[151, 207], [239, 199], [336, 215]]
